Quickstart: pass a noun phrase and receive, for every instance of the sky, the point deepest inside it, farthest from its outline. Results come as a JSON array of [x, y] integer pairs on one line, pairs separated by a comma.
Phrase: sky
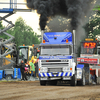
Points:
[[31, 18]]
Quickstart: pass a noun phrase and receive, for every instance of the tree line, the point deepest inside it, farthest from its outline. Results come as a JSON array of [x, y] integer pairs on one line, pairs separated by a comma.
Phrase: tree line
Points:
[[23, 33], [92, 28]]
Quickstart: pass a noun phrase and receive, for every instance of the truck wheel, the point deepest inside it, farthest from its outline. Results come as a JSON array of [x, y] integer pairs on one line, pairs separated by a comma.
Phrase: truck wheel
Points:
[[42, 83], [74, 80], [82, 82], [87, 75]]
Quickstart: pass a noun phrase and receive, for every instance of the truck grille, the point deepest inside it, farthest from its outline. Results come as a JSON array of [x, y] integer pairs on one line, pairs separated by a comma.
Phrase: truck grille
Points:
[[54, 69], [54, 64]]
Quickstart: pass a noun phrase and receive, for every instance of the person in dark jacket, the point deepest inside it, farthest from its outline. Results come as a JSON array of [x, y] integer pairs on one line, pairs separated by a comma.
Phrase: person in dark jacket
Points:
[[22, 67], [36, 68]]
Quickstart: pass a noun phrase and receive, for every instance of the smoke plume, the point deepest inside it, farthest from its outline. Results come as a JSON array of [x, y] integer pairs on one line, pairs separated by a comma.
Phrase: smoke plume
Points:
[[73, 9]]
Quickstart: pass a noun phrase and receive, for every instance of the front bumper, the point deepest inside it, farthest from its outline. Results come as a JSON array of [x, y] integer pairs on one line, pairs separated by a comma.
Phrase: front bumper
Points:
[[55, 76]]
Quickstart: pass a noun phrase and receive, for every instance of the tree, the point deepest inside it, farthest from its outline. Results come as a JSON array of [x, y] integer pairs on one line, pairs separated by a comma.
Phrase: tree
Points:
[[2, 35], [1, 26], [93, 27], [97, 8], [24, 34]]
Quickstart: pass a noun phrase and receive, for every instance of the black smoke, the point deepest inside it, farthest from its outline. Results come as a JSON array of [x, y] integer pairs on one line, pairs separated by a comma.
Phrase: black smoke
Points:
[[73, 9]]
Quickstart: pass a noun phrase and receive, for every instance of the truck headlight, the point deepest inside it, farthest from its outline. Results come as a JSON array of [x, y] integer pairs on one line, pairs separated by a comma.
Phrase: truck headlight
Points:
[[43, 69], [66, 69]]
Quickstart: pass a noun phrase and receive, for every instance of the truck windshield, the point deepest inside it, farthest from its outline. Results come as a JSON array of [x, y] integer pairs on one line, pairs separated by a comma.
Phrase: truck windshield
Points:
[[23, 54], [56, 50], [88, 48]]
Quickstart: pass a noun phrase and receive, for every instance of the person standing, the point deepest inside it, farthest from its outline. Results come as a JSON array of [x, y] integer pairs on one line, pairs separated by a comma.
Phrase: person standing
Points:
[[88, 51], [32, 68], [27, 65], [22, 67], [36, 68]]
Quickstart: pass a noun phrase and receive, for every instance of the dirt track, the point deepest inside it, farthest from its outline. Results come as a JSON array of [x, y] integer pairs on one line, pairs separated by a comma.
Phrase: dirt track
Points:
[[31, 90]]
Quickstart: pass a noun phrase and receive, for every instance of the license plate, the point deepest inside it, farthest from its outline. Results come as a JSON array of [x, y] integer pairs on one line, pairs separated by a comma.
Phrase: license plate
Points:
[[66, 78], [43, 78]]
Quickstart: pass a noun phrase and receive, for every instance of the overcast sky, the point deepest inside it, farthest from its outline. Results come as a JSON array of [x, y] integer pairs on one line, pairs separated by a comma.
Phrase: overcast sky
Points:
[[31, 18]]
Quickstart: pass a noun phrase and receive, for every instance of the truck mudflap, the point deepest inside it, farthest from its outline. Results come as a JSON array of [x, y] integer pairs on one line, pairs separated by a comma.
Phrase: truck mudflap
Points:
[[53, 74]]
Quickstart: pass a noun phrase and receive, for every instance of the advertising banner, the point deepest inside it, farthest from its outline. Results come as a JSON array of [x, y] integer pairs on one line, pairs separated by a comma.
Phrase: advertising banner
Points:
[[88, 60]]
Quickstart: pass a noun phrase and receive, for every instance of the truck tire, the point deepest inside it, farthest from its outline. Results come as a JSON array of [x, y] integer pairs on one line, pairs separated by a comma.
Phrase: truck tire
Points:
[[74, 80], [43, 83], [82, 82], [87, 75]]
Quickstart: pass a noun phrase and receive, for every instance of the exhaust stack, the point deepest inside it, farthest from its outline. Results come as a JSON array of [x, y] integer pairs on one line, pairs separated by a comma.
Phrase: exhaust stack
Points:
[[42, 32], [74, 46], [74, 41], [74, 37]]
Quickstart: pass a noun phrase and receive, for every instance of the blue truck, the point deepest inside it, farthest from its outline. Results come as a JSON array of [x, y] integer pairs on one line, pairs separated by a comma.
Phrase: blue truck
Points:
[[57, 60]]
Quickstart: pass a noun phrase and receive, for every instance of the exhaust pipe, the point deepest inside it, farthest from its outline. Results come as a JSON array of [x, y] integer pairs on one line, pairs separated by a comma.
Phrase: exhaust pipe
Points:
[[74, 45], [42, 32], [74, 38]]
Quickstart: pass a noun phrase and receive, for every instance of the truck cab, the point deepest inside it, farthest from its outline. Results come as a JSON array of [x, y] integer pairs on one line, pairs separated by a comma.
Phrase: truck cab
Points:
[[90, 57], [56, 60], [88, 48], [25, 53]]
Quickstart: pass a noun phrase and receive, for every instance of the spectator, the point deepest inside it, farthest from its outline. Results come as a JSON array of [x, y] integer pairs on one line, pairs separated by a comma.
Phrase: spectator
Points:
[[22, 67], [88, 51], [27, 65], [33, 58], [93, 76], [36, 68], [32, 68]]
